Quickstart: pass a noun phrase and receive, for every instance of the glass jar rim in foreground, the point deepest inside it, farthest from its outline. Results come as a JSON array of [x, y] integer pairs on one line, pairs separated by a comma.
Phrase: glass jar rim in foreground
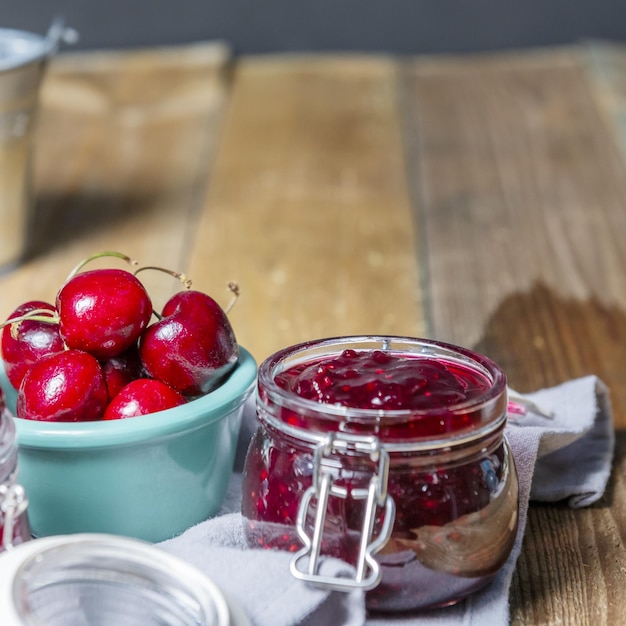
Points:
[[94, 578], [421, 500]]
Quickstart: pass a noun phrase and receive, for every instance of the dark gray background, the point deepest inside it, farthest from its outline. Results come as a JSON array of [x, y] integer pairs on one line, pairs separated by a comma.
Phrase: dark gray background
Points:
[[400, 26]]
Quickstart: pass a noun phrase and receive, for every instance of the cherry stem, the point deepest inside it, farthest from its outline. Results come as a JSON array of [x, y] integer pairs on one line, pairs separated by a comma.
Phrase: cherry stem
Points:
[[36, 315], [234, 288], [181, 277], [100, 255]]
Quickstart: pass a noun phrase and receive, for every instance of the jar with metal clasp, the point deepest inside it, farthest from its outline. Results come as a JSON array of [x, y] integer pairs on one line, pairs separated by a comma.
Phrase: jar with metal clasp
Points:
[[388, 453]]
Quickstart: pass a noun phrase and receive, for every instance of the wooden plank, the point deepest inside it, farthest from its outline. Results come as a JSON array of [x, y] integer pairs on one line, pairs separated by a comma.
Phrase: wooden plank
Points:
[[308, 208], [123, 145], [520, 190], [606, 64]]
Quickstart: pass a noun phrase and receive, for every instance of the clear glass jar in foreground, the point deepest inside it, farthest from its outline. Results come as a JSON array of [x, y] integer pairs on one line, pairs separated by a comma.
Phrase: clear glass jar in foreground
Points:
[[14, 525], [72, 580], [422, 501]]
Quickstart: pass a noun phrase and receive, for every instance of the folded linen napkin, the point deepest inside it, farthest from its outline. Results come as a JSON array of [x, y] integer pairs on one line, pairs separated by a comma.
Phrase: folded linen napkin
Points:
[[565, 456]]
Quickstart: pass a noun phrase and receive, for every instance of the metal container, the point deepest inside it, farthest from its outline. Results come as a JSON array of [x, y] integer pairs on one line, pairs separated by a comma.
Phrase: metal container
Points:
[[23, 61]]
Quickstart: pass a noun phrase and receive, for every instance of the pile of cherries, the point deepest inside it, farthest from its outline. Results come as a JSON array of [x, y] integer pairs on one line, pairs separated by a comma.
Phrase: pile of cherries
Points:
[[96, 354]]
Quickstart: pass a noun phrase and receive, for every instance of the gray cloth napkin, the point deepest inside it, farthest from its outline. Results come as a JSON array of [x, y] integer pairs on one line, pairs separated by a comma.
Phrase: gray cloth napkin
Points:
[[565, 456]]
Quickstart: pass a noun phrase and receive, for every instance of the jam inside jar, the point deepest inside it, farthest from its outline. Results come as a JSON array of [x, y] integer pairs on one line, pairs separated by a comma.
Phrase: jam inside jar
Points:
[[14, 524], [388, 453]]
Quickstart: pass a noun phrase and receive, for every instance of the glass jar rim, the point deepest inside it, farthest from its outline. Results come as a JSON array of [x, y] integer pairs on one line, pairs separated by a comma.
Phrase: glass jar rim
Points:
[[40, 564], [309, 350]]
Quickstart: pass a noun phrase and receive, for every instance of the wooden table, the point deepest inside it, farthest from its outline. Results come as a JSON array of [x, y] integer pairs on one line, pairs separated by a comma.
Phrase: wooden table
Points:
[[479, 200]]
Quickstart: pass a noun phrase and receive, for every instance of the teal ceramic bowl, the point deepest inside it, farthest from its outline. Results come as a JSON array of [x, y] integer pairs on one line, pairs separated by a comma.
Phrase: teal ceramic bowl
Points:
[[149, 477]]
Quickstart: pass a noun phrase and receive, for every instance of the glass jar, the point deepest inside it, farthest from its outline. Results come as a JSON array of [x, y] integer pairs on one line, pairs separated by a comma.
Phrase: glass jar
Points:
[[14, 525], [423, 501], [68, 580]]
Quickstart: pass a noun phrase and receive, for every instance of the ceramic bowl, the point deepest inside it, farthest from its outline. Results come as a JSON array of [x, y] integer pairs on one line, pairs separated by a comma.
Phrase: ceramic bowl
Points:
[[148, 477]]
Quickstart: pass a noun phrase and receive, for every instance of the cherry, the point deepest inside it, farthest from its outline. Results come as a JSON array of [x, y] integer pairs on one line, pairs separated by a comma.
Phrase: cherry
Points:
[[142, 396], [122, 369], [192, 347], [26, 341], [101, 315], [103, 311], [63, 387]]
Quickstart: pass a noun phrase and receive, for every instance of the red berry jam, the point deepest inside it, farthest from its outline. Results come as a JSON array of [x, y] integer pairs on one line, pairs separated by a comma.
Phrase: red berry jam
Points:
[[436, 413], [377, 379], [388, 381]]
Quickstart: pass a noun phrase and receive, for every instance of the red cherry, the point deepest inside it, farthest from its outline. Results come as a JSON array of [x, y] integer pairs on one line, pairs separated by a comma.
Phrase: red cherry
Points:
[[192, 347], [122, 369], [103, 311], [25, 342], [63, 387], [143, 396]]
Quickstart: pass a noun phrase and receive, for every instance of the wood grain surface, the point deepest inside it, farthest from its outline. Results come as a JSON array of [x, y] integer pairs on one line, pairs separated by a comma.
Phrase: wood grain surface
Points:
[[474, 199], [520, 198], [308, 207]]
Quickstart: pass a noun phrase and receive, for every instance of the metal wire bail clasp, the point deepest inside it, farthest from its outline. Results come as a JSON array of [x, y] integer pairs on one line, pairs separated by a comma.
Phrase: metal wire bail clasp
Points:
[[326, 463], [13, 503]]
